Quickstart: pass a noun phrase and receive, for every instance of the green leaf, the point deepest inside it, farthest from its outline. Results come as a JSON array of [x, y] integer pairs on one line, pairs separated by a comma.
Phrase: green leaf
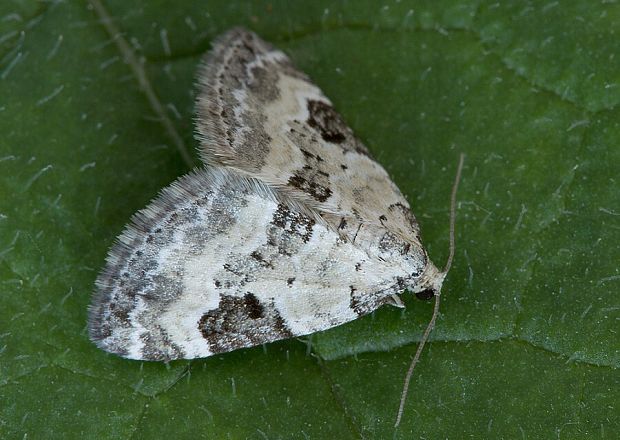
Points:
[[96, 106]]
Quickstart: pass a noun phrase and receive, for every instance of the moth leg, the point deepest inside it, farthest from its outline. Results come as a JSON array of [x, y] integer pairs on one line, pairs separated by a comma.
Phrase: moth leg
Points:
[[395, 301]]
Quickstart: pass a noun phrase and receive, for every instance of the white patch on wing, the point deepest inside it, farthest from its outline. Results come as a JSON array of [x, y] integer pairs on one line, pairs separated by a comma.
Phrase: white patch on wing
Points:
[[283, 157], [199, 272], [134, 335], [319, 297]]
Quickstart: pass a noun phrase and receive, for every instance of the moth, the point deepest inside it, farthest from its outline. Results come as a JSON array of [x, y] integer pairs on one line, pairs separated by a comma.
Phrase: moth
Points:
[[289, 228]]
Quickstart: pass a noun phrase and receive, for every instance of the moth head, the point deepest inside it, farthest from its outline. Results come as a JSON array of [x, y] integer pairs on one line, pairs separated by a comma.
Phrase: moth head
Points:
[[432, 280]]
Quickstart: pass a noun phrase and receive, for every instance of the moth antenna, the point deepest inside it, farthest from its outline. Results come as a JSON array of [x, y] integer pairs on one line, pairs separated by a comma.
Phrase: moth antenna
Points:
[[429, 327], [431, 324], [455, 187]]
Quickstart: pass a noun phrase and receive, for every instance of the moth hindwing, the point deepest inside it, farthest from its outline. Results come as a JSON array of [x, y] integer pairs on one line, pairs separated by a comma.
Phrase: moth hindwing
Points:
[[290, 227]]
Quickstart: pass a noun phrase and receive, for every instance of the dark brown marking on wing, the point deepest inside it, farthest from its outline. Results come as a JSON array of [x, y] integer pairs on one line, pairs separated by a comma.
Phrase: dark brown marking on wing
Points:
[[323, 118], [241, 322], [331, 127], [293, 222], [309, 186], [253, 305], [355, 302], [262, 261]]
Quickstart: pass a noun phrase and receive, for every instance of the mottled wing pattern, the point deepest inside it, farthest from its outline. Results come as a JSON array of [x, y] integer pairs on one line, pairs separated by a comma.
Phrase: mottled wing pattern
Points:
[[260, 115], [218, 262]]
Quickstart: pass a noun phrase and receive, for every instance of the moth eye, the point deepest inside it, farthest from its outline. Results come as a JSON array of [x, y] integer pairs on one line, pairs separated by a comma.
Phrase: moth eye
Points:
[[425, 295]]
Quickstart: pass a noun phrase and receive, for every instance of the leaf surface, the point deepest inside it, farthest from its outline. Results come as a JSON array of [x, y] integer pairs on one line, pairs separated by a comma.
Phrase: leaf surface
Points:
[[527, 341]]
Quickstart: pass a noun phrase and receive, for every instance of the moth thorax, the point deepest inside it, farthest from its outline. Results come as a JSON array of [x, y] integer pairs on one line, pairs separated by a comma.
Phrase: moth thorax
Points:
[[429, 284], [387, 246]]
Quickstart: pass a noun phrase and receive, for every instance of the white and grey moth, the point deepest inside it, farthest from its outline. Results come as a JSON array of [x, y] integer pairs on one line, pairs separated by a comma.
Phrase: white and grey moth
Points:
[[291, 227]]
